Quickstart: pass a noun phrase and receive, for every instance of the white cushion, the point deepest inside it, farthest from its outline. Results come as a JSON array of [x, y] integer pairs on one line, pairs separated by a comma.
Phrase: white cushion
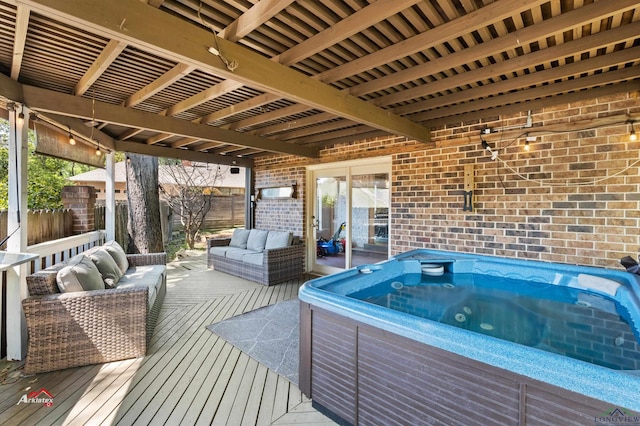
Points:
[[257, 240], [117, 252], [80, 274], [278, 239], [107, 266], [239, 238]]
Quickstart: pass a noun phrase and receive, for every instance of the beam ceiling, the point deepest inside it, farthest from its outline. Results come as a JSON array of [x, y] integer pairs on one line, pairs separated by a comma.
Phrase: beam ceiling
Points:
[[309, 73]]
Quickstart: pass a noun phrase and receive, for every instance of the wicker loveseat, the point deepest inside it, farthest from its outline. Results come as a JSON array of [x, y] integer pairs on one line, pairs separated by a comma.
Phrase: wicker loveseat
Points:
[[82, 327], [265, 257]]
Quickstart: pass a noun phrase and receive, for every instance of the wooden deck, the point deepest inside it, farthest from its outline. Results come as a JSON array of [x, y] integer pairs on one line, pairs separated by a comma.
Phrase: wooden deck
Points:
[[190, 376]]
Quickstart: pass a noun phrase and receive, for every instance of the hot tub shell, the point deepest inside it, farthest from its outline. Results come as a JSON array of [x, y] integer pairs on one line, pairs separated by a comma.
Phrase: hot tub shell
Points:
[[365, 364]]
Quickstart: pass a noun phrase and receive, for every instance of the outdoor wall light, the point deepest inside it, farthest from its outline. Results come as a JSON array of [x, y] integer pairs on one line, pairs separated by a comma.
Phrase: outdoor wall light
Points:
[[528, 139]]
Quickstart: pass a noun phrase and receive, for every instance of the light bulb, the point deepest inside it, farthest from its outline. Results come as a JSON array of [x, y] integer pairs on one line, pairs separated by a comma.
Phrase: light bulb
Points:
[[20, 119], [526, 146], [72, 141], [632, 136], [98, 152]]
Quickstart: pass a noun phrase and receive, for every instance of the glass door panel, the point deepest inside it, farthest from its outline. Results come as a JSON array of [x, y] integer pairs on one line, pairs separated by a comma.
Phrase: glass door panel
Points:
[[330, 220], [370, 218]]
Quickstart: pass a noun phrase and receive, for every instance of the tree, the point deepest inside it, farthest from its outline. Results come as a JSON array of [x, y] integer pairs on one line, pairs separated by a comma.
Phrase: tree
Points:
[[190, 193], [143, 226]]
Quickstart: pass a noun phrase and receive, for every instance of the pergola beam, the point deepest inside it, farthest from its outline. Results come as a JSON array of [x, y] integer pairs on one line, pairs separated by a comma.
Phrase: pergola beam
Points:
[[127, 21], [259, 13], [19, 39], [109, 54], [43, 100], [162, 82]]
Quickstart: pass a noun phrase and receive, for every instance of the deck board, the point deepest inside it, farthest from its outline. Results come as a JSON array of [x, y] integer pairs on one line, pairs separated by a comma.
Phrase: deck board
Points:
[[189, 376]]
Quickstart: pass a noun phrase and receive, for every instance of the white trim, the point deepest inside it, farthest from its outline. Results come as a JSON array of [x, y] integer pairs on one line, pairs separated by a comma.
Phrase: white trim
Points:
[[352, 163]]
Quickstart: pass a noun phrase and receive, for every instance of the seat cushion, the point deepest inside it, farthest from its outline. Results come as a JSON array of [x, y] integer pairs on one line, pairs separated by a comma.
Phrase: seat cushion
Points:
[[239, 238], [237, 254], [117, 252], [278, 239], [144, 276], [257, 240], [80, 274], [253, 258], [107, 266], [219, 250]]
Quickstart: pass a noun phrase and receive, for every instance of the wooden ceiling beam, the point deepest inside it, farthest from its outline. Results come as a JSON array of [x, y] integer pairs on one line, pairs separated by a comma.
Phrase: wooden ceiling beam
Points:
[[522, 37], [292, 125], [43, 100], [257, 15], [162, 82], [363, 18], [576, 47], [19, 39], [538, 104], [212, 92], [353, 24], [240, 107], [182, 154], [109, 54], [128, 21], [480, 18], [582, 83]]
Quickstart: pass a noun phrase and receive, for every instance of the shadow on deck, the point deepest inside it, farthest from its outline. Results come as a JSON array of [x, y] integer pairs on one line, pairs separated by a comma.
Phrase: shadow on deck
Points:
[[190, 376]]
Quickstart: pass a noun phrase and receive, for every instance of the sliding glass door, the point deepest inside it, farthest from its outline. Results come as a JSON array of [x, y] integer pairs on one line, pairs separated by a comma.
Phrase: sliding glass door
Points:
[[349, 215]]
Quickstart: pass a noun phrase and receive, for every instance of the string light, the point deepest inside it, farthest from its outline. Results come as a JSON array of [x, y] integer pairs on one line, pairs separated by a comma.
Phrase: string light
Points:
[[632, 134], [20, 118], [72, 141], [526, 146]]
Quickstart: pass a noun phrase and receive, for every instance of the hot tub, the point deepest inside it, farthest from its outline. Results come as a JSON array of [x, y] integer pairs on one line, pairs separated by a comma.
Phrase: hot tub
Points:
[[432, 337]]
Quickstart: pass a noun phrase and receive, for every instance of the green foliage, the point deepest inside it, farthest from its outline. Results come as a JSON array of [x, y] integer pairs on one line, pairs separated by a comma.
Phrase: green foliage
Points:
[[45, 175]]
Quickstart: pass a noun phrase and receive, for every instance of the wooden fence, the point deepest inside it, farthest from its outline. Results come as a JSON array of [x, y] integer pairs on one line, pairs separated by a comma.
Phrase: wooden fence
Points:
[[43, 225]]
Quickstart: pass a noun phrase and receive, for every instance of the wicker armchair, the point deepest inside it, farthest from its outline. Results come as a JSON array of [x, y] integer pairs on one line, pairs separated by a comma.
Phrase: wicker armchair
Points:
[[88, 327]]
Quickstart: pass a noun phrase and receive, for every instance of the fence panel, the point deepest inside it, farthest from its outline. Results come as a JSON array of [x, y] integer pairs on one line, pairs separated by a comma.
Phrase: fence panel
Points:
[[42, 225]]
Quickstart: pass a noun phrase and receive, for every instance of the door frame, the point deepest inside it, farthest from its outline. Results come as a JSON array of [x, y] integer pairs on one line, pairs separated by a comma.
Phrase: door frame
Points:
[[379, 164]]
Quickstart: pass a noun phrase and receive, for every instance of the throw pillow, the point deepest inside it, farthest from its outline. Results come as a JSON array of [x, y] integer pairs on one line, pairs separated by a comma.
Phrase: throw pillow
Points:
[[118, 254], [107, 266], [278, 239], [239, 238], [80, 274], [257, 240]]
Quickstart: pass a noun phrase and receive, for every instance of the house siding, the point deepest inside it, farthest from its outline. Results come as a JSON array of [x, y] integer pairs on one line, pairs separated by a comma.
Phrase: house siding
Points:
[[594, 224]]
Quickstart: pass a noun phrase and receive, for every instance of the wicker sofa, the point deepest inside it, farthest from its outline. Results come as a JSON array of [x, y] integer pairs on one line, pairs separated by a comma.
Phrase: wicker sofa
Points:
[[81, 327], [265, 257]]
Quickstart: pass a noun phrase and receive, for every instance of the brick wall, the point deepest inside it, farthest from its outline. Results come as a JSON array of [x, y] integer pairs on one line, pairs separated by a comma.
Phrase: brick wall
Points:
[[565, 200], [81, 200]]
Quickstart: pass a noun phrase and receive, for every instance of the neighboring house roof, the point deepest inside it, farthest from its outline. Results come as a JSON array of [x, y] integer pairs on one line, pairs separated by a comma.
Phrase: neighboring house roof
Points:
[[165, 176]]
